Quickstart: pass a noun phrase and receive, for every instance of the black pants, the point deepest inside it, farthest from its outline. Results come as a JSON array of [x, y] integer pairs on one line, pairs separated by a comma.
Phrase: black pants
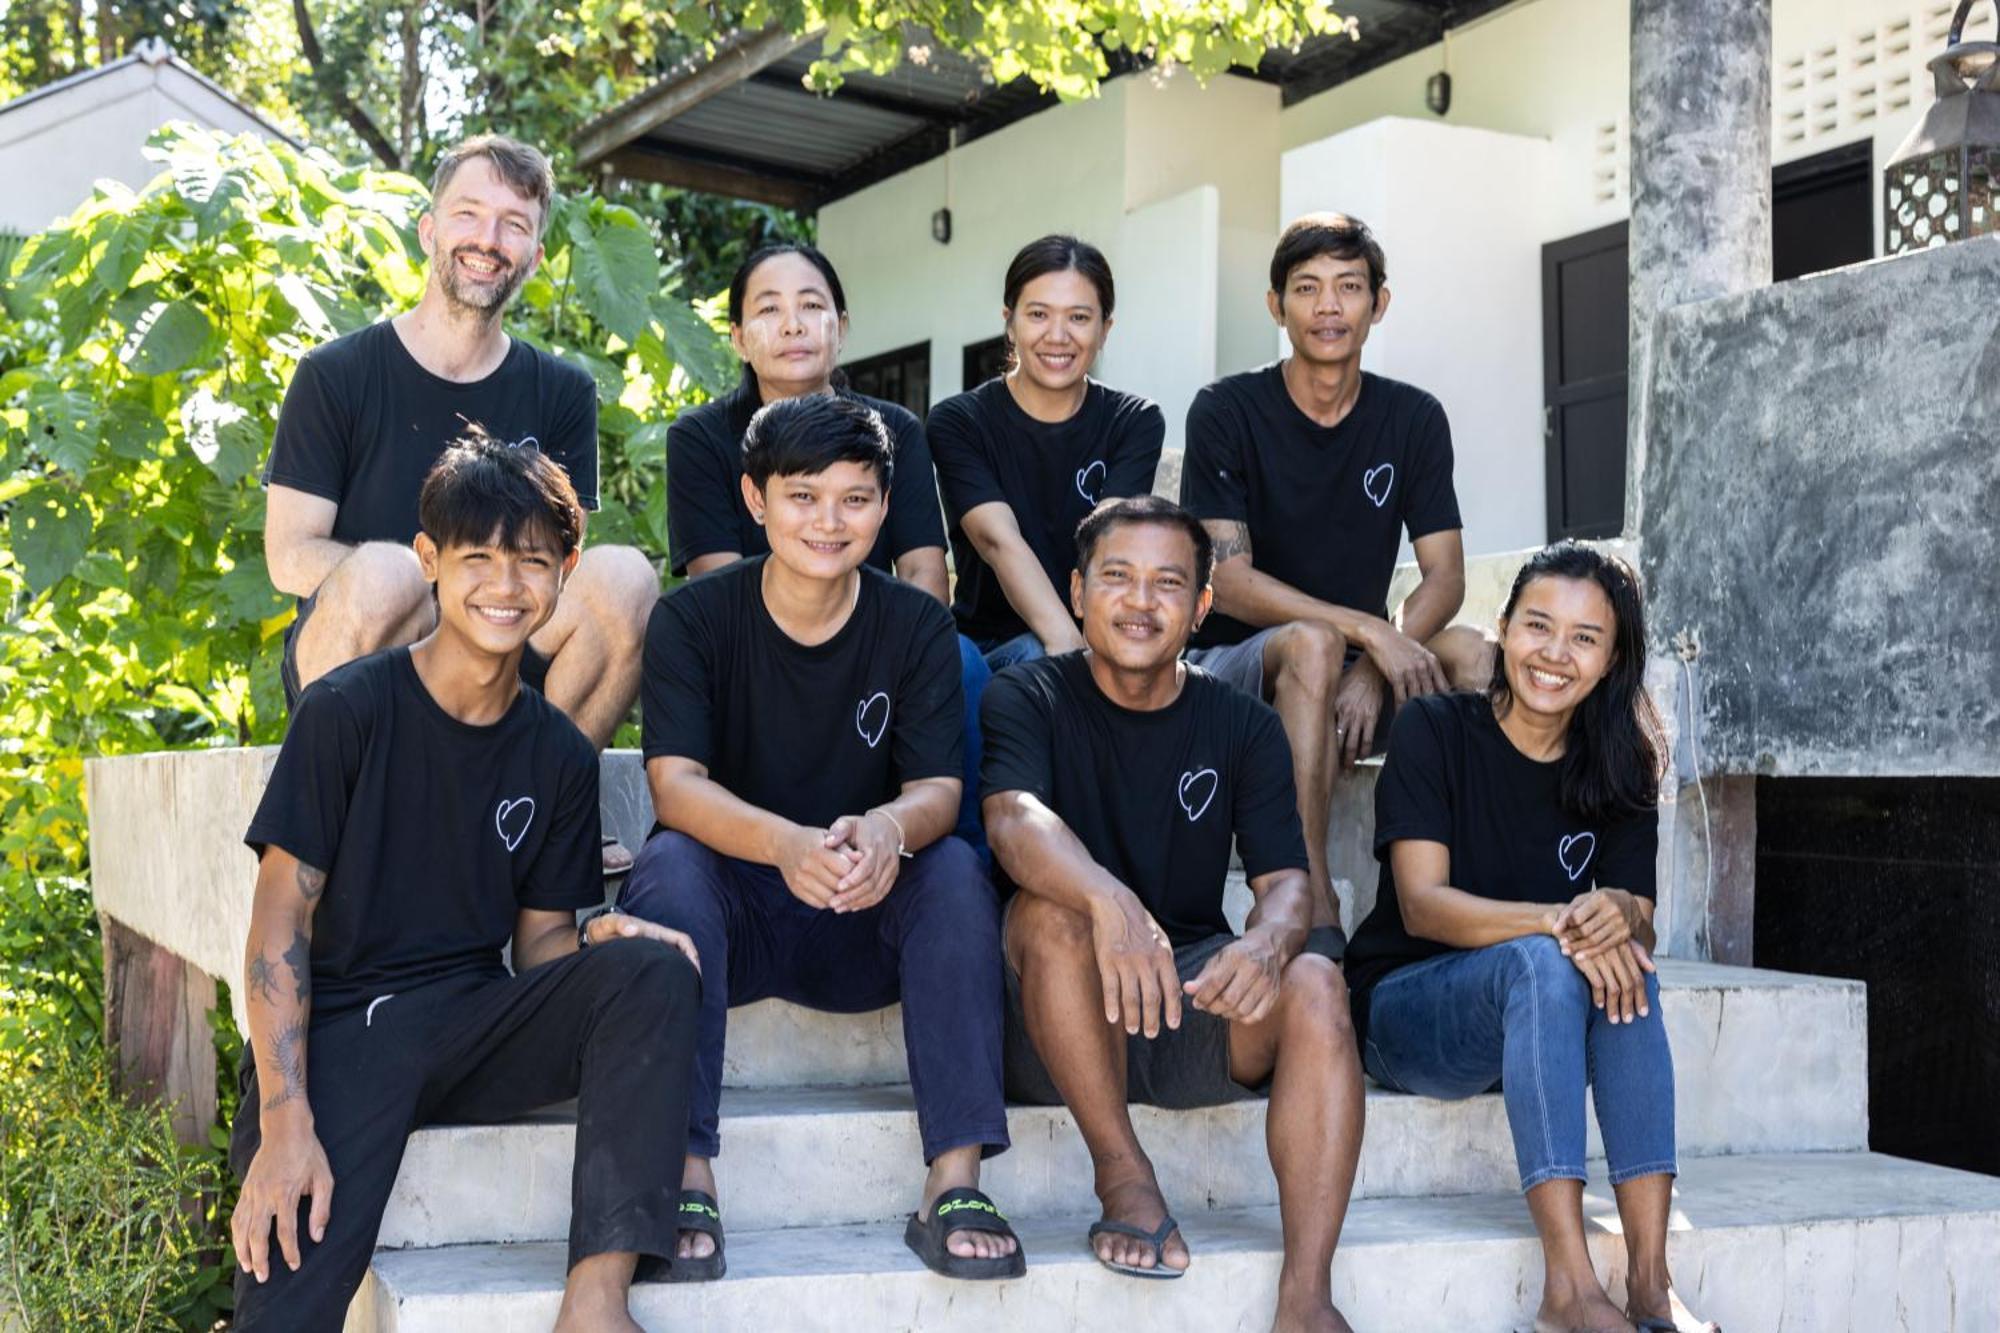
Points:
[[612, 1026]]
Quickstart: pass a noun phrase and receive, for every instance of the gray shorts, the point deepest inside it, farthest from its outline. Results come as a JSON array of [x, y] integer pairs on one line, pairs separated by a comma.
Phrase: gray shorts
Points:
[[1181, 1068], [1242, 665]]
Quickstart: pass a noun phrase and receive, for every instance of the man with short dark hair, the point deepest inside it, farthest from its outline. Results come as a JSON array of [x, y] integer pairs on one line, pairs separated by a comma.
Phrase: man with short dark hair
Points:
[[802, 724], [1115, 780], [368, 413], [424, 811], [1307, 473]]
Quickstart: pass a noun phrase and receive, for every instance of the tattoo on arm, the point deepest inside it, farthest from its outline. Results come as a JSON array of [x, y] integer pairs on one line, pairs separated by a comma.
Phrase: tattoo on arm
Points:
[[311, 882], [298, 957], [1231, 540], [263, 979], [288, 1053]]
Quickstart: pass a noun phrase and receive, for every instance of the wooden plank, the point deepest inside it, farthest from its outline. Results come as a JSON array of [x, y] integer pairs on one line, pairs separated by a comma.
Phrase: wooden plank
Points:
[[636, 164], [156, 1007], [734, 61]]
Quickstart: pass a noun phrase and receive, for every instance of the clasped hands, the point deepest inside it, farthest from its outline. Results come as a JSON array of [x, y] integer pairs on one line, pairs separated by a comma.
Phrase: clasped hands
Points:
[[1596, 932], [849, 866]]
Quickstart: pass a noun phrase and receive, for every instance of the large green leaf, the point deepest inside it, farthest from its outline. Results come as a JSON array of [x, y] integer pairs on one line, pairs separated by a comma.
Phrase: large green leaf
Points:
[[170, 335], [127, 240], [63, 424], [222, 434], [615, 272], [703, 353], [49, 530]]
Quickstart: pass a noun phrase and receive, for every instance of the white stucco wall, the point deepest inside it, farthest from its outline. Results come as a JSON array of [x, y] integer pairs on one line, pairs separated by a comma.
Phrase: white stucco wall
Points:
[[54, 148], [1463, 240]]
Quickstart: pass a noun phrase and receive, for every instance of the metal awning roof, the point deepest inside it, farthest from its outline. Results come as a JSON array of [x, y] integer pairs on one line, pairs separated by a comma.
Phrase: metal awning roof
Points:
[[743, 123]]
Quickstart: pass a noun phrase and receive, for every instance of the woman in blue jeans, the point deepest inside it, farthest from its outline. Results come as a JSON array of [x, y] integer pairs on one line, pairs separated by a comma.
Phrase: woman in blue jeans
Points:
[[1511, 941]]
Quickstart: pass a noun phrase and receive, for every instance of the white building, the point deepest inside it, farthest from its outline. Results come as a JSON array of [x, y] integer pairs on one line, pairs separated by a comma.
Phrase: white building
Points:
[[1502, 217], [59, 140]]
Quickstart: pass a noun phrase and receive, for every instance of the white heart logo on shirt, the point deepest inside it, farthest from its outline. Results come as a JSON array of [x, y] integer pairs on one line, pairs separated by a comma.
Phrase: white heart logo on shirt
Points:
[[511, 820], [1090, 480], [1386, 474], [871, 718], [1583, 844], [1196, 791]]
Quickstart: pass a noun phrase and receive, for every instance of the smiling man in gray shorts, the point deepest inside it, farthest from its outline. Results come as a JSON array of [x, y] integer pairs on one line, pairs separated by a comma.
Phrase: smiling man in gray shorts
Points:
[[1307, 473]]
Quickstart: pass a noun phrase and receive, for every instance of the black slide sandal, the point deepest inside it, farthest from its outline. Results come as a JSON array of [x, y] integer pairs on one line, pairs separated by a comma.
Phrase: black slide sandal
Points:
[[699, 1213], [1157, 1238], [963, 1209]]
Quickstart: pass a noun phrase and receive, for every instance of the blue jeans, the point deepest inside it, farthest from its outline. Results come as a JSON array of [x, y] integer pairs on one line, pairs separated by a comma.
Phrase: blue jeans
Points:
[[933, 943], [1519, 1013], [1021, 648], [973, 677]]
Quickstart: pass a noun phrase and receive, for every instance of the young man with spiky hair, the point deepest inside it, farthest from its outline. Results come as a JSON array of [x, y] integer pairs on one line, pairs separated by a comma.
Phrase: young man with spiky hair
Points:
[[1307, 473], [802, 722], [1115, 780], [425, 810], [367, 414]]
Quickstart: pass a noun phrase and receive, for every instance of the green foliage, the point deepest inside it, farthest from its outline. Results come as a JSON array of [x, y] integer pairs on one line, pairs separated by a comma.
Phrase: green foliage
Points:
[[146, 350], [106, 1222]]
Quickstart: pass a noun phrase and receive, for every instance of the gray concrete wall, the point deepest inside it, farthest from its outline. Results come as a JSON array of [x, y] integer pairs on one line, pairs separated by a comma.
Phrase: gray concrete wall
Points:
[[1822, 510]]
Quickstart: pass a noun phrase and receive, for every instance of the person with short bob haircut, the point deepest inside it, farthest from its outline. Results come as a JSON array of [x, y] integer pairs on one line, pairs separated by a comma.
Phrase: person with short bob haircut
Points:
[[367, 414], [1116, 779], [1024, 457], [1512, 936], [1308, 473], [802, 722], [427, 809]]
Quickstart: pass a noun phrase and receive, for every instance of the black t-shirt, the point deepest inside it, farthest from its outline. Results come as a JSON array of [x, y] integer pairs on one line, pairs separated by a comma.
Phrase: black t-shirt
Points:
[[1156, 797], [1326, 507], [705, 509], [1453, 777], [362, 424], [809, 733], [1049, 473], [433, 833]]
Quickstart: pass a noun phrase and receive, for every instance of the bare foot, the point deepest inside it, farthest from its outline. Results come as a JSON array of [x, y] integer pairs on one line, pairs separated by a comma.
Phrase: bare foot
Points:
[[1138, 1203], [1315, 1316], [697, 1175], [1665, 1303], [1588, 1312], [959, 1169], [594, 1296]]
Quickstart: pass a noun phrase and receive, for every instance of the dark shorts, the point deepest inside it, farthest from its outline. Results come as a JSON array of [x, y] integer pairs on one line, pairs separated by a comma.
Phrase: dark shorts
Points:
[[534, 667], [1181, 1068], [1242, 665]]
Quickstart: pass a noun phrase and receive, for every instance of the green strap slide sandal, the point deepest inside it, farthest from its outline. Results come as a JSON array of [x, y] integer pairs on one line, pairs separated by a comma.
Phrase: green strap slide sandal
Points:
[[699, 1213], [963, 1209]]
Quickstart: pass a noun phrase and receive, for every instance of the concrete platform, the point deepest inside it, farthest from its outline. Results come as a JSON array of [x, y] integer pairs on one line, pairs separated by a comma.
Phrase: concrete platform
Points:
[[1812, 1243], [1764, 1062]]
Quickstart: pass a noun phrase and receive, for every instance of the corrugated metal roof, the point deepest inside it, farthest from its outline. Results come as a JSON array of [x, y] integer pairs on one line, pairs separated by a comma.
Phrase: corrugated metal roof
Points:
[[745, 124]]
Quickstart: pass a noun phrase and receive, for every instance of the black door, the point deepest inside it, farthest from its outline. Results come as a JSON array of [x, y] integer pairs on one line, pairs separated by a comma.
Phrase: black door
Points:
[[1822, 217], [1584, 317], [902, 376]]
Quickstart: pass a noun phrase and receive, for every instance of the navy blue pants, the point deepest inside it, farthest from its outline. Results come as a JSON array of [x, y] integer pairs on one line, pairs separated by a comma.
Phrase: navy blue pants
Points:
[[933, 943]]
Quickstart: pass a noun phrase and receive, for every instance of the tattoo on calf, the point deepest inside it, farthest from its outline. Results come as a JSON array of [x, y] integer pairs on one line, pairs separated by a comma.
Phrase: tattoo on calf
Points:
[[288, 1053], [311, 882]]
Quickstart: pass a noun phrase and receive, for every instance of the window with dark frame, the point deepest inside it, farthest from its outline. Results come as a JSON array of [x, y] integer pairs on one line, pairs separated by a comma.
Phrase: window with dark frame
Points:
[[983, 360], [902, 377]]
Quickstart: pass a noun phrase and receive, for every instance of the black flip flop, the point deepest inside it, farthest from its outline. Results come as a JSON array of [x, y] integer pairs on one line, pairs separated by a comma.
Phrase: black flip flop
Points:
[[604, 843], [699, 1213], [963, 1209], [1652, 1325], [1157, 1238]]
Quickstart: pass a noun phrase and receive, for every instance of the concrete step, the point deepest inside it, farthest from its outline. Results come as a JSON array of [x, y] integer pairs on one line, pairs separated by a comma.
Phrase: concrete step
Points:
[[1765, 1062], [1812, 1243]]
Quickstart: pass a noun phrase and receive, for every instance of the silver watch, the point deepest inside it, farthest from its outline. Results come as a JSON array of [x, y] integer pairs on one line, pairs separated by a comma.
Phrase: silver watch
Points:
[[583, 924]]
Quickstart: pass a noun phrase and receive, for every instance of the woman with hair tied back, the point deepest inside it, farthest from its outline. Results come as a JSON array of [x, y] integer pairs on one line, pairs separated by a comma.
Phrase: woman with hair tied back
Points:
[[1025, 456], [1512, 935]]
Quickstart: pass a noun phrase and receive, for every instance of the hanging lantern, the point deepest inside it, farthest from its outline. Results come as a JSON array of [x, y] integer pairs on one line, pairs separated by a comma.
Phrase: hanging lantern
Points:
[[1940, 185]]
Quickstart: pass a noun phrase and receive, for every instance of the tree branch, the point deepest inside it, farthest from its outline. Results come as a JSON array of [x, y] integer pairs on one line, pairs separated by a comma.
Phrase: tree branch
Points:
[[343, 102]]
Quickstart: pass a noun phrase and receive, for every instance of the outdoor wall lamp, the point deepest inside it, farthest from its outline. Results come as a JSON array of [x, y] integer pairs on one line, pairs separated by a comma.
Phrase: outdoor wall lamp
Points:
[[1940, 185]]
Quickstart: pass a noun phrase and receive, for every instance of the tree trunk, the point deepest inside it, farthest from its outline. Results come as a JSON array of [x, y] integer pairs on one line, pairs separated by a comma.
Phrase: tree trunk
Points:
[[156, 1026], [350, 111]]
